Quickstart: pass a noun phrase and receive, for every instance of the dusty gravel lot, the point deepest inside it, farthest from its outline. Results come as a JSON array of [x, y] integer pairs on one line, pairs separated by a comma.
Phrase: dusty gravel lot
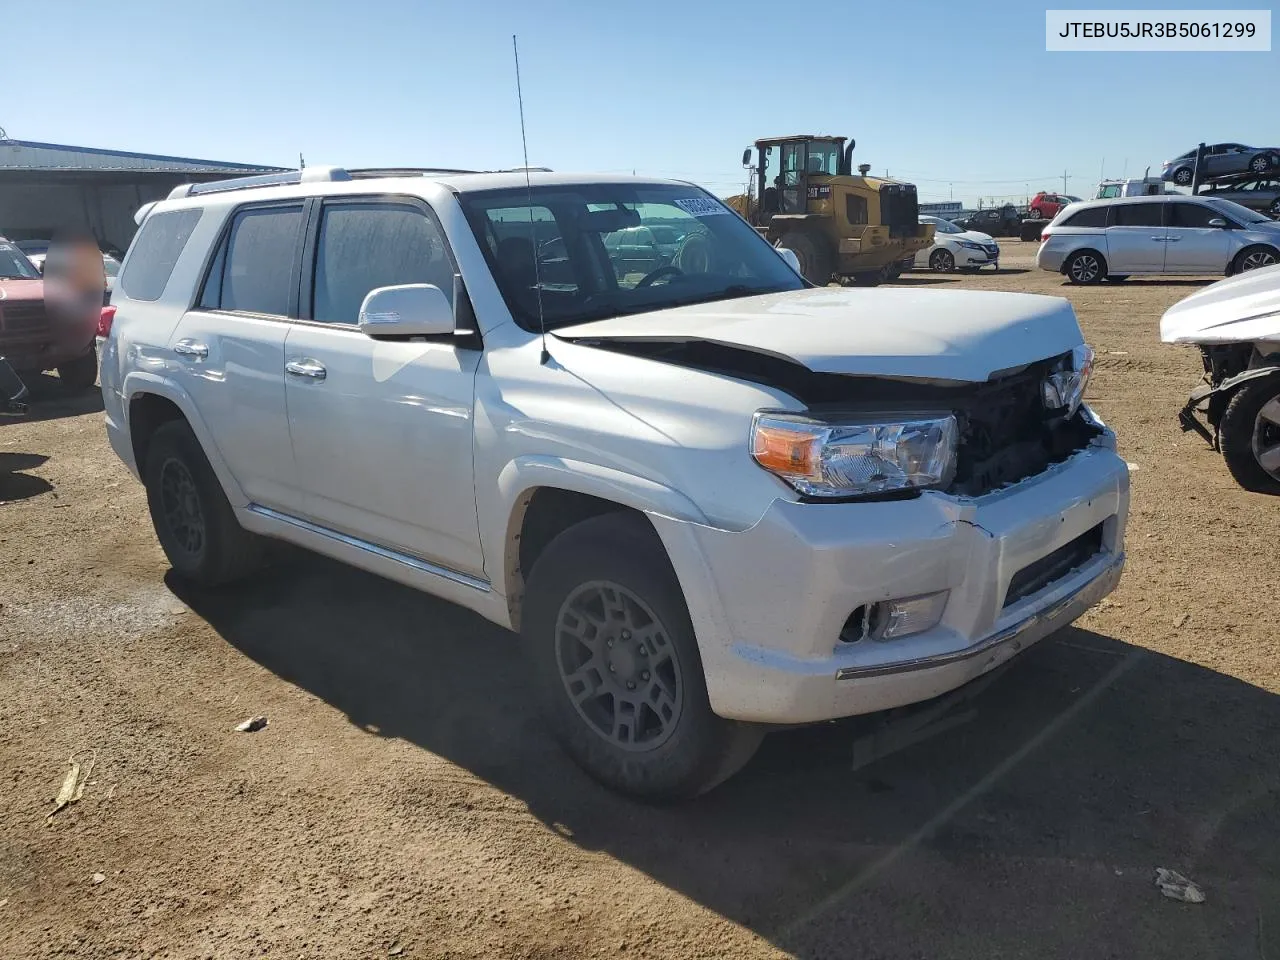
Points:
[[405, 802]]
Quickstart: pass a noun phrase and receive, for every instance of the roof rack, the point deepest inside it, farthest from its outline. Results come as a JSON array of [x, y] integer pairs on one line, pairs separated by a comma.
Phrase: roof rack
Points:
[[368, 173], [306, 175]]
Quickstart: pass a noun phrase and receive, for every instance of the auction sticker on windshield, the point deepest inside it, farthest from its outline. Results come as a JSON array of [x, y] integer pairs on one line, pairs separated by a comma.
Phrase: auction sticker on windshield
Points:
[[702, 206]]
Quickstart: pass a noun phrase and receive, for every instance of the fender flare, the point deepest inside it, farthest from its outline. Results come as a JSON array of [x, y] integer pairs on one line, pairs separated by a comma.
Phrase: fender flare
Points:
[[1256, 373], [141, 381]]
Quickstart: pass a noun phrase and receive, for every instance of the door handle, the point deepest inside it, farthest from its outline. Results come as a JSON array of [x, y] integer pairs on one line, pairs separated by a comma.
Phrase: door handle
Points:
[[1172, 239], [187, 347], [306, 367]]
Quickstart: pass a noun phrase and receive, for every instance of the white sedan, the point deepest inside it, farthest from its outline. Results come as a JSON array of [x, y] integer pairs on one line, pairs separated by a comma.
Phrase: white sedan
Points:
[[956, 249]]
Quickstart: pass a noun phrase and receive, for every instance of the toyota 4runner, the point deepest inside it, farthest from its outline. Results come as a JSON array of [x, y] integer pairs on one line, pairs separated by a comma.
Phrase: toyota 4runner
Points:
[[711, 497]]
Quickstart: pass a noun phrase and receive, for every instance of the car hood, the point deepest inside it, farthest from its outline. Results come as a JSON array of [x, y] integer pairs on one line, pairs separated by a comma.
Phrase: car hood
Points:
[[973, 236], [1241, 309], [951, 335], [21, 290]]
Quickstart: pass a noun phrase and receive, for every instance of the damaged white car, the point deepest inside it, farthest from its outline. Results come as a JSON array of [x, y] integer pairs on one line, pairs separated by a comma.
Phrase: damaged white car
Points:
[[713, 498], [1236, 325]]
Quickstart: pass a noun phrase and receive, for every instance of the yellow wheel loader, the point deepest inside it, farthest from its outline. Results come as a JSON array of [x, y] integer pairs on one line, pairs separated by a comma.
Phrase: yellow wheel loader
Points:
[[842, 225]]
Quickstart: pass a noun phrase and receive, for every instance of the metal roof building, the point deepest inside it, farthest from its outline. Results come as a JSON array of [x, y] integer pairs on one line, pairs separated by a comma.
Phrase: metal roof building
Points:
[[47, 187]]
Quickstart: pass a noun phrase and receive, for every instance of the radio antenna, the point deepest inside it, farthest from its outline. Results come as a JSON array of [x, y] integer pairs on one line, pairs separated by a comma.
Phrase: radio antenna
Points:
[[528, 186]]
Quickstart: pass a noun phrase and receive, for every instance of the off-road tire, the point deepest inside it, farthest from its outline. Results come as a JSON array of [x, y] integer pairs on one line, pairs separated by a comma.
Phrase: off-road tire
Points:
[[814, 254], [622, 550], [1236, 432], [225, 551], [1077, 271], [80, 373]]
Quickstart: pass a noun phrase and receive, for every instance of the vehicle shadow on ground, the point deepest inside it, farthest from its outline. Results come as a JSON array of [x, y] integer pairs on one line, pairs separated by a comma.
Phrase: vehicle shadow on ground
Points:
[[1029, 827], [1147, 282], [17, 485], [49, 399]]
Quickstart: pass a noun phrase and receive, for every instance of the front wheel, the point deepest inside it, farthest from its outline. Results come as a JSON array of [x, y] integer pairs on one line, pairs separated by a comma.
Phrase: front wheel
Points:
[[616, 666], [1260, 164], [942, 261], [1251, 258], [1085, 266], [80, 373], [1183, 176], [813, 253], [1249, 435]]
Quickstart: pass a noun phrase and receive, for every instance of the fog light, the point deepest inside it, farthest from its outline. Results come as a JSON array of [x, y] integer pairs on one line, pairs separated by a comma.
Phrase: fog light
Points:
[[902, 618]]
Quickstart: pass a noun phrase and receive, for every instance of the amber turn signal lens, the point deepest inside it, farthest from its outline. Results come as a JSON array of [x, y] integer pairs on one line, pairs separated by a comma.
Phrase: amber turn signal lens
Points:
[[789, 451]]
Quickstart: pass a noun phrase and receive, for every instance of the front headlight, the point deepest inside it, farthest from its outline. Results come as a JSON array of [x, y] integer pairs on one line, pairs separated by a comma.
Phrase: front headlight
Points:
[[852, 457], [969, 244], [1064, 389]]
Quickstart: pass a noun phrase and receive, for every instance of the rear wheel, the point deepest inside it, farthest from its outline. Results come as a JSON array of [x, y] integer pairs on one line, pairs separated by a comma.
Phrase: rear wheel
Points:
[[80, 373], [616, 665], [1085, 266], [1249, 435], [192, 517], [942, 261], [816, 262], [1251, 258]]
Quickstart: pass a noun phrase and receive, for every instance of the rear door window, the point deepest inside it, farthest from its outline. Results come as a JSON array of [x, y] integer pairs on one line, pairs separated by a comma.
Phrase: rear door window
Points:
[[155, 252], [255, 270], [1137, 215]]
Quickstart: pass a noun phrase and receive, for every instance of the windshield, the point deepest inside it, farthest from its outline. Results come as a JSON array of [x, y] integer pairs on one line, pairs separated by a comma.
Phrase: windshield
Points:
[[608, 249], [942, 226], [824, 157], [1238, 212], [14, 264]]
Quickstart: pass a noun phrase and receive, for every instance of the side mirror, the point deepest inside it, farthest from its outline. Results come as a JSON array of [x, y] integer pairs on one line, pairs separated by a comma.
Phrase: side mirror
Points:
[[746, 157], [1217, 222], [792, 260], [408, 310]]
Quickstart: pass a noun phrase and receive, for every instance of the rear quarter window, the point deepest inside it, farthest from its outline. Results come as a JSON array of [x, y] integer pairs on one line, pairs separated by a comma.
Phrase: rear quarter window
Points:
[[1092, 217], [155, 252]]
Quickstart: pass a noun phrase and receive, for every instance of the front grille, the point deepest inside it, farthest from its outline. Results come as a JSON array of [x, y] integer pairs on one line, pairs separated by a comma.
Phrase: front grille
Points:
[[899, 209], [21, 316], [1049, 569], [991, 249], [1006, 434]]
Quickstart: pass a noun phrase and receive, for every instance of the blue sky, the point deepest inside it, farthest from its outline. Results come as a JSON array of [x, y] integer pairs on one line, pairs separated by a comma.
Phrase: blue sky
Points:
[[960, 98]]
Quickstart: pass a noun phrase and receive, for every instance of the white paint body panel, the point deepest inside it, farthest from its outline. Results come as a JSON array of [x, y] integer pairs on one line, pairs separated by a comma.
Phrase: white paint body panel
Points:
[[428, 451], [1241, 309]]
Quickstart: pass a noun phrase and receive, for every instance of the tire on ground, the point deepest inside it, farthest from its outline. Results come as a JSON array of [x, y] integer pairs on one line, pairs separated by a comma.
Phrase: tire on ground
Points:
[[816, 260], [222, 551], [1259, 251], [1076, 267], [1236, 433], [80, 373], [702, 749], [942, 260]]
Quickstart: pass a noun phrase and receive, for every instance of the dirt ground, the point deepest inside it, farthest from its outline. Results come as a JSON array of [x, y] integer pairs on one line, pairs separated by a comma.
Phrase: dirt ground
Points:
[[404, 801]]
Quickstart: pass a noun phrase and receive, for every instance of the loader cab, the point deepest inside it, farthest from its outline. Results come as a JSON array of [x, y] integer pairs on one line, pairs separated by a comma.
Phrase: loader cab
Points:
[[791, 172]]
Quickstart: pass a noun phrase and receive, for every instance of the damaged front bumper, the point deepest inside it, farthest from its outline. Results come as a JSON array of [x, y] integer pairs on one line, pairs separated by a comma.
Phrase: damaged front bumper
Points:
[[770, 604]]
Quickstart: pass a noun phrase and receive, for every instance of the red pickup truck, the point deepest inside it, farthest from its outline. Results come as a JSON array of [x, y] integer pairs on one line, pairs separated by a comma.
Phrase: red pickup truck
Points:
[[34, 336]]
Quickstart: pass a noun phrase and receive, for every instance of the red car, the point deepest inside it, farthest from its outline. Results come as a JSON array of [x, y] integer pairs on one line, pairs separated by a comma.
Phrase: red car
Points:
[[33, 338], [1046, 206]]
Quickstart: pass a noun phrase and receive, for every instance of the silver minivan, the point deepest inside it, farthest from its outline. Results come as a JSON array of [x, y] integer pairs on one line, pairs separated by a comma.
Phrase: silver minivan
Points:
[[1114, 239]]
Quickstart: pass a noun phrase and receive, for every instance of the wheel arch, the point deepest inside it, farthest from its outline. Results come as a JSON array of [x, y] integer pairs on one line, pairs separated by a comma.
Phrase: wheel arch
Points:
[[545, 496], [149, 402]]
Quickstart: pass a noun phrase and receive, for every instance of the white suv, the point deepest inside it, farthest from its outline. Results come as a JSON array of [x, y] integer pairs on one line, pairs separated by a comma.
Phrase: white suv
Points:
[[712, 498]]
